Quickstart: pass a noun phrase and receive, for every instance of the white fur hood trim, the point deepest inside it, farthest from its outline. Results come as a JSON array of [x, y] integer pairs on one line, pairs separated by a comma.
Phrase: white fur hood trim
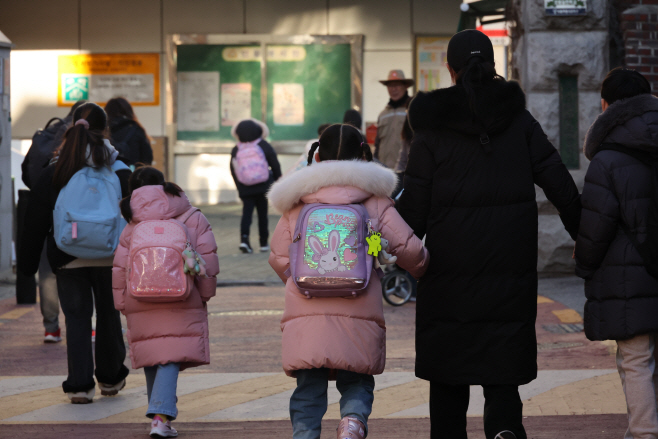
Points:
[[368, 176]]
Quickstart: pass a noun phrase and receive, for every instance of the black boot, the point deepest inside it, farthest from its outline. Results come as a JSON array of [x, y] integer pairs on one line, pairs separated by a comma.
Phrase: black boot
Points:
[[244, 245]]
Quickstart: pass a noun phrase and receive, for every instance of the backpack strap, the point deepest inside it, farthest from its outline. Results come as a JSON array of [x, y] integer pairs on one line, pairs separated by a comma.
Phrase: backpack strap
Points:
[[184, 217], [118, 165], [51, 121]]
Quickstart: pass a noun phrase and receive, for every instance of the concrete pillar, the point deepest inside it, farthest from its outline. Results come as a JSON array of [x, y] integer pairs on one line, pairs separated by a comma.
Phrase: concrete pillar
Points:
[[6, 205]]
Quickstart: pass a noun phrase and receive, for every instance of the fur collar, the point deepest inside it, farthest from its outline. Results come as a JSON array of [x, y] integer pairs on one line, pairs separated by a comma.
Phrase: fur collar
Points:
[[368, 176], [617, 114], [448, 107]]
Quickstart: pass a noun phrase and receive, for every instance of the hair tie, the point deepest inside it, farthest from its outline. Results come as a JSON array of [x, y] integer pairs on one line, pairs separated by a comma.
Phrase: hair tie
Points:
[[82, 122]]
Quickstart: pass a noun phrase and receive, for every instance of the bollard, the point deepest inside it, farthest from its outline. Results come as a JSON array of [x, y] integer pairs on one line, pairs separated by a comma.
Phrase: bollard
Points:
[[26, 286]]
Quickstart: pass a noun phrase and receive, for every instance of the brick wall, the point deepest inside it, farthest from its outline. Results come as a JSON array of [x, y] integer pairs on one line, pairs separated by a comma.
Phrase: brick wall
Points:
[[640, 28]]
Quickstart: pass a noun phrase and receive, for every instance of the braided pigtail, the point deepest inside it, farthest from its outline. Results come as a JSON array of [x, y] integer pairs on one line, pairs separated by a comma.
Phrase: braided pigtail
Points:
[[311, 153], [126, 211], [172, 188]]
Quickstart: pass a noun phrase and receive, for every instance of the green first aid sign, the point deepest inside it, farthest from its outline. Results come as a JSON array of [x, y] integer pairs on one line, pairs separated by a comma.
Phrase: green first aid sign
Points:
[[74, 88]]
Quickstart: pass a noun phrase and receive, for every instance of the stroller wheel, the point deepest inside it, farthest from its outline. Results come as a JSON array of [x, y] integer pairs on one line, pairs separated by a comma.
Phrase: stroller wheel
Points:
[[397, 287]]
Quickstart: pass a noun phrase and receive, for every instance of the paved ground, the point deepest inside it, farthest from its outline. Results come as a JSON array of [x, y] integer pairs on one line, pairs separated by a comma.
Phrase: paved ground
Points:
[[243, 392]]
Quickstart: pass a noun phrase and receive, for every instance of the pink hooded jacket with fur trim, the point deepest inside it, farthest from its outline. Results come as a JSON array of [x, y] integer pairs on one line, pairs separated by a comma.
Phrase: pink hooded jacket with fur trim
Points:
[[166, 332], [339, 333]]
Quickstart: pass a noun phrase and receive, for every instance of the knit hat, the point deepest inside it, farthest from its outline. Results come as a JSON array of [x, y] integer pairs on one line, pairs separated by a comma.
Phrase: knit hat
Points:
[[467, 44], [248, 130]]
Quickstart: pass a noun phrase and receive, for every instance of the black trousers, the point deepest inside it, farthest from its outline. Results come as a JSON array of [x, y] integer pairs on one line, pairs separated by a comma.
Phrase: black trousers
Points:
[[503, 410], [260, 203], [78, 289]]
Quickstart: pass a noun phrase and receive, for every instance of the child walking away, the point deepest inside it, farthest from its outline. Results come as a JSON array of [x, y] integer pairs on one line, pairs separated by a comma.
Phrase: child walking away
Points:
[[164, 272], [618, 236], [254, 167], [333, 327]]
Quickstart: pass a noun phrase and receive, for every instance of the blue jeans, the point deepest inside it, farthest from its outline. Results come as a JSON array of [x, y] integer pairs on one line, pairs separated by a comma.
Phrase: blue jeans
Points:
[[308, 403], [161, 383]]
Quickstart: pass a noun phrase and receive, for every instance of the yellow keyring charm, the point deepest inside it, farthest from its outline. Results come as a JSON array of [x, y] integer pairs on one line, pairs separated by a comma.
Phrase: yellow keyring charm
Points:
[[374, 244]]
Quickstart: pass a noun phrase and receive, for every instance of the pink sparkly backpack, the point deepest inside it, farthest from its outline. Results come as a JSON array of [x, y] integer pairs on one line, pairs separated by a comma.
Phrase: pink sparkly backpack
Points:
[[156, 263], [250, 164], [329, 254]]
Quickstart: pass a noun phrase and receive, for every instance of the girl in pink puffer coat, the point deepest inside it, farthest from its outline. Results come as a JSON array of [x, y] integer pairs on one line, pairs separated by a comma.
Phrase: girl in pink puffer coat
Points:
[[164, 337], [336, 337]]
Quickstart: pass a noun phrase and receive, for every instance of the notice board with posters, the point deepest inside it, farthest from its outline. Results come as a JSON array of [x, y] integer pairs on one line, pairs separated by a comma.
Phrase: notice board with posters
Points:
[[293, 84], [101, 77]]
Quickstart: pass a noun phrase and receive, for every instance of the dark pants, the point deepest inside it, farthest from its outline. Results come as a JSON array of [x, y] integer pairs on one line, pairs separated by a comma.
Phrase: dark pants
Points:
[[260, 203], [78, 289], [503, 410]]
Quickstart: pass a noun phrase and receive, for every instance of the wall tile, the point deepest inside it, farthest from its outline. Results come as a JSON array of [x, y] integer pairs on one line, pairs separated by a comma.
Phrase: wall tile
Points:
[[436, 17], [40, 24], [120, 26], [386, 24], [203, 16], [287, 17]]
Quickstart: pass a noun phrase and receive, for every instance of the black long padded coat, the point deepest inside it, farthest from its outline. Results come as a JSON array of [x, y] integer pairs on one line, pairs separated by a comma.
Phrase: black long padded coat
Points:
[[622, 298], [469, 187]]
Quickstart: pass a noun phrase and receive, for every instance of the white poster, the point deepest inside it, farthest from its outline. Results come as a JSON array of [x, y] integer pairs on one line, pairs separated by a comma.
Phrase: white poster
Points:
[[236, 103], [288, 104], [198, 101], [431, 70]]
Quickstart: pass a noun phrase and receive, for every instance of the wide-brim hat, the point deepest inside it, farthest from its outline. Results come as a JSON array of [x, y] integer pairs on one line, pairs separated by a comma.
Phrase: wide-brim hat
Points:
[[397, 76]]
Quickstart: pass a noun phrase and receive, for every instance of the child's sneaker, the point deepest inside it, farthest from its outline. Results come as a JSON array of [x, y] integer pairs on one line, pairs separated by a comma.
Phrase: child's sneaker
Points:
[[111, 390], [351, 428], [53, 337], [82, 397], [159, 428], [264, 248]]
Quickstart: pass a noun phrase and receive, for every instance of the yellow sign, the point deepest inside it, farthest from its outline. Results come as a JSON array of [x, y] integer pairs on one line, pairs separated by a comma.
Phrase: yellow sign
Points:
[[101, 77]]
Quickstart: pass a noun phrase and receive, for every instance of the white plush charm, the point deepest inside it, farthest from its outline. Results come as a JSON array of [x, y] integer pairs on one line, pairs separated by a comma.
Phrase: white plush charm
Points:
[[384, 257]]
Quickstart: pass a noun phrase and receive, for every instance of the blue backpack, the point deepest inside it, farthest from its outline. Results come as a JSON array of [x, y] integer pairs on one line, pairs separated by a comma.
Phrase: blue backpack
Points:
[[87, 221]]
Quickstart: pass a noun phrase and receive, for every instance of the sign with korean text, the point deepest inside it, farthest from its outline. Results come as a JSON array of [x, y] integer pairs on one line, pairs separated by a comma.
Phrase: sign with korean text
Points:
[[565, 7], [101, 77]]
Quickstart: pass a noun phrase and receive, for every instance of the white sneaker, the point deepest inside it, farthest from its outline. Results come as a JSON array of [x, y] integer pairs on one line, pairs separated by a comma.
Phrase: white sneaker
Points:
[[53, 337], [162, 429], [264, 248], [108, 390], [245, 248], [82, 397]]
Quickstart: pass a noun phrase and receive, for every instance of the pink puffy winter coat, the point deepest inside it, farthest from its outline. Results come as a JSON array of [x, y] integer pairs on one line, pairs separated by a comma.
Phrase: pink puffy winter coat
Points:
[[339, 333], [160, 333]]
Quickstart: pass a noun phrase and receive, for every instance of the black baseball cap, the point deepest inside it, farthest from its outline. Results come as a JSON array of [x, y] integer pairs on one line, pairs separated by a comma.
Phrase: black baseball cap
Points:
[[467, 44]]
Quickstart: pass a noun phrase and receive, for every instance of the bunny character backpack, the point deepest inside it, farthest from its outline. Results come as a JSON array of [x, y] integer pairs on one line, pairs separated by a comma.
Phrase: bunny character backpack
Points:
[[250, 164], [87, 221], [329, 254], [156, 260]]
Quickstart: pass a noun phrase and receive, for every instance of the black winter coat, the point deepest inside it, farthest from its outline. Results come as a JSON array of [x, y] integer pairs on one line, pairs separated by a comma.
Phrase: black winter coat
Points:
[[129, 138], [260, 188], [470, 188], [622, 298], [39, 223]]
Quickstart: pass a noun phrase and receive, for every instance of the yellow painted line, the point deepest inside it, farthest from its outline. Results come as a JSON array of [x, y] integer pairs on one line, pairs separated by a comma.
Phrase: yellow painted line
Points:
[[568, 316], [593, 396], [392, 399], [22, 403], [199, 404], [16, 313], [542, 299]]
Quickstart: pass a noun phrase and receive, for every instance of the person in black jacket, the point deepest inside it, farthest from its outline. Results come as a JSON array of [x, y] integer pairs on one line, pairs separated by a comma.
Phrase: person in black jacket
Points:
[[127, 134], [469, 188], [81, 283], [245, 132], [622, 297]]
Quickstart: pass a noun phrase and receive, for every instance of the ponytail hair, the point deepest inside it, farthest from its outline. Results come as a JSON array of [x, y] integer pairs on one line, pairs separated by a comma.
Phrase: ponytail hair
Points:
[[88, 130], [341, 142], [146, 176], [473, 77]]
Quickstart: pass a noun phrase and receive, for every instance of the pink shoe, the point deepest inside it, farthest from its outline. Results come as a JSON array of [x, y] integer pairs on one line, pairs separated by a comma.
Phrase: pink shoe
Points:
[[351, 428], [159, 428]]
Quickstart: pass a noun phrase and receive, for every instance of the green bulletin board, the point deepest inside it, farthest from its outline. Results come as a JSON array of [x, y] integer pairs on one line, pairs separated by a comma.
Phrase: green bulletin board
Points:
[[298, 86], [210, 58]]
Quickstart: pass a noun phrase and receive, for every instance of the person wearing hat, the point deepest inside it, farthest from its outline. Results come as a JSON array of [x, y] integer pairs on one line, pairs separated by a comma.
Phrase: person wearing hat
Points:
[[469, 188], [253, 170], [390, 121]]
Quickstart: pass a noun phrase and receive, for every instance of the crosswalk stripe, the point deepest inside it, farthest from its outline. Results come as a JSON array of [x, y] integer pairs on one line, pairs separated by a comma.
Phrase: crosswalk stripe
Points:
[[201, 403], [16, 313], [568, 316]]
